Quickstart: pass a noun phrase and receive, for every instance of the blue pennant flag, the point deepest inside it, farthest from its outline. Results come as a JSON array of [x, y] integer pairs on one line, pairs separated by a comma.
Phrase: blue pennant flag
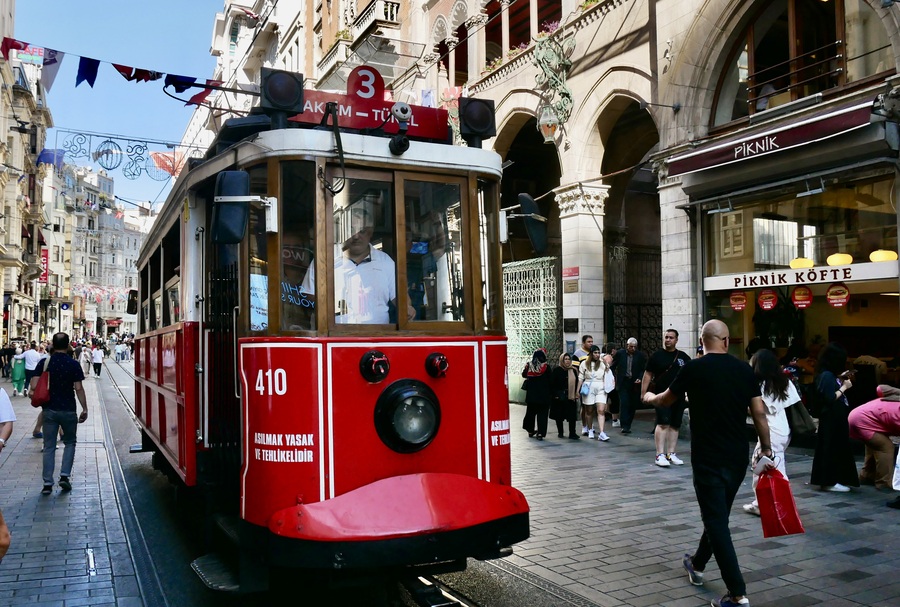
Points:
[[54, 157], [87, 71]]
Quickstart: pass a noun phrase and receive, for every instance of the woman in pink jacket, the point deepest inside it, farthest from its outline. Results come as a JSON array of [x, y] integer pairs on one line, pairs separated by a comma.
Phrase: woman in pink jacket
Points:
[[874, 423]]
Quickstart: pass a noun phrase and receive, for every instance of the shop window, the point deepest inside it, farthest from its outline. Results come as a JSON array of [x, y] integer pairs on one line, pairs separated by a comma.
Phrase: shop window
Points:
[[855, 217], [834, 44]]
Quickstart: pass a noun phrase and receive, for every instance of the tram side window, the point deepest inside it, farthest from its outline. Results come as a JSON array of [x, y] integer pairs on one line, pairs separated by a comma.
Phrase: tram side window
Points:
[[258, 253], [298, 244], [365, 276], [489, 245], [434, 253]]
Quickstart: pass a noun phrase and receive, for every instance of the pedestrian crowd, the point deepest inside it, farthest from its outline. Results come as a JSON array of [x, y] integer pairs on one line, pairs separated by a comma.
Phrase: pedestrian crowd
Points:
[[719, 392]]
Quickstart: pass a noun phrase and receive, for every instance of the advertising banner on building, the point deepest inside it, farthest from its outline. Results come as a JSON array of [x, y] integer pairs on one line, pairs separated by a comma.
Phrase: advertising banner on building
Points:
[[767, 299], [837, 295], [738, 300], [45, 266]]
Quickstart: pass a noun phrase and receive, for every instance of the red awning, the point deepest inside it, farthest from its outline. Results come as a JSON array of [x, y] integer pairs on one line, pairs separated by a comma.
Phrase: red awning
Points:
[[25, 232], [115, 322], [41, 237], [825, 124]]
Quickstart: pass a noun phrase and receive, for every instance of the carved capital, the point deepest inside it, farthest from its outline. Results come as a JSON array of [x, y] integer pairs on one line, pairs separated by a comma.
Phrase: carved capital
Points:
[[476, 21], [578, 198], [452, 42], [430, 58]]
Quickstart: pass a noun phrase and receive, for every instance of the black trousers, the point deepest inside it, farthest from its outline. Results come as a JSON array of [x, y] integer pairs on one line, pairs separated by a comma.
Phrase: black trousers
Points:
[[536, 412], [716, 487]]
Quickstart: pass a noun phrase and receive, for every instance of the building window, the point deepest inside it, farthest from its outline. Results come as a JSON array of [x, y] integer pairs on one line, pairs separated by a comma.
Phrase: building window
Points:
[[835, 44]]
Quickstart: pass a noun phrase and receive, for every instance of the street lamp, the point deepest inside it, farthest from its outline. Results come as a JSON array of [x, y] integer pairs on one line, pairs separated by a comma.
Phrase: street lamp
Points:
[[547, 123]]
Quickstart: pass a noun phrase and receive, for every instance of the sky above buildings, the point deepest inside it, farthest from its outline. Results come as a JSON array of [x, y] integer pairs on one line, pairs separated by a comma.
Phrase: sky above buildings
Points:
[[168, 36]]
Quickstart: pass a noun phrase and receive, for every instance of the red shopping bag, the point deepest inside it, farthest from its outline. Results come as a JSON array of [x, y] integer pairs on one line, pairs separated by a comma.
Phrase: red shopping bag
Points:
[[777, 508]]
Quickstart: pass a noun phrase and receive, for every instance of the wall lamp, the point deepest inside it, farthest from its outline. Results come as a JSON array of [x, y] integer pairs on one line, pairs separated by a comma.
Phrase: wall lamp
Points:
[[675, 107], [810, 191]]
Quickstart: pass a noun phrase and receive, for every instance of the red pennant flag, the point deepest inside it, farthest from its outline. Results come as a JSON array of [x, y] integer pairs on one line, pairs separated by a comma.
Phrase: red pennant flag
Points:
[[202, 95], [146, 75], [127, 72], [9, 44]]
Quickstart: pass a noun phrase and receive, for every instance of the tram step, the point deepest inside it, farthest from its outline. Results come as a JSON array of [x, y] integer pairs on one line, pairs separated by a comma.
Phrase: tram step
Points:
[[216, 573]]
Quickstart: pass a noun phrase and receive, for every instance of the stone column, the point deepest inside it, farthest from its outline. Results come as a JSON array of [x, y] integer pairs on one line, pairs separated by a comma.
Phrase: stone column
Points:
[[533, 18], [476, 45], [452, 43], [581, 210], [504, 26]]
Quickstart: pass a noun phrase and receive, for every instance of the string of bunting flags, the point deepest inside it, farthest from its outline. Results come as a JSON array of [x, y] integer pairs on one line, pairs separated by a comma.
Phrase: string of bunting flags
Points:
[[98, 294], [135, 158]]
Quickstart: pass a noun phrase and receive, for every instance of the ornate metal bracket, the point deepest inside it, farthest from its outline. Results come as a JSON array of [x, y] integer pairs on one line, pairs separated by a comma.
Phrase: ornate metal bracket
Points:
[[551, 57]]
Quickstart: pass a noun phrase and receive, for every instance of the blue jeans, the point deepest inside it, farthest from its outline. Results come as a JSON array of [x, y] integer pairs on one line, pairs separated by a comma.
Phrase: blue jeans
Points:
[[53, 421], [716, 487]]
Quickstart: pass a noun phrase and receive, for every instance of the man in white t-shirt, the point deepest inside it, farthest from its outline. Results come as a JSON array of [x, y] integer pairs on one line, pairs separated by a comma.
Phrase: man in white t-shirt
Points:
[[365, 278]]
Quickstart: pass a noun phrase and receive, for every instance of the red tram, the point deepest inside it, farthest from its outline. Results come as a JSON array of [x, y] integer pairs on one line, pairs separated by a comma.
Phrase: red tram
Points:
[[322, 351]]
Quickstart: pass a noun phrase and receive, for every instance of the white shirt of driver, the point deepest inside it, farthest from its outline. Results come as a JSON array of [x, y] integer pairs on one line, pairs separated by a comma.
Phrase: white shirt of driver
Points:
[[362, 291]]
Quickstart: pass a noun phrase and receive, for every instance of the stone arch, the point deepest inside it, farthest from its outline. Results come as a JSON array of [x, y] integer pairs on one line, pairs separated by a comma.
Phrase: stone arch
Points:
[[440, 30], [702, 55], [458, 15]]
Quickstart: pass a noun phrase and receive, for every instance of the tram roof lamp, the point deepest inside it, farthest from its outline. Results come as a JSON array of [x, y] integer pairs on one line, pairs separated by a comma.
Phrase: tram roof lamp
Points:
[[476, 120], [547, 123], [281, 95]]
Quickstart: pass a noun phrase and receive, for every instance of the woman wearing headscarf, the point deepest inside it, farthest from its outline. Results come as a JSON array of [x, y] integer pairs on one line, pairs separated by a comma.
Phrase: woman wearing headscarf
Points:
[[537, 394], [833, 466], [17, 374], [565, 384]]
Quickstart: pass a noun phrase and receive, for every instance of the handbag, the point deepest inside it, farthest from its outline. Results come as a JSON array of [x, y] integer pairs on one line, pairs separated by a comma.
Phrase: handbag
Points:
[[800, 421], [40, 396], [777, 508], [585, 389], [609, 381]]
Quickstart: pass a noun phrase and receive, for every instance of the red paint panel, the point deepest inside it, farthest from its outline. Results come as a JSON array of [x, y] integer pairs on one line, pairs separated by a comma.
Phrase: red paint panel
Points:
[[282, 447], [169, 343], [360, 456], [401, 506], [498, 424]]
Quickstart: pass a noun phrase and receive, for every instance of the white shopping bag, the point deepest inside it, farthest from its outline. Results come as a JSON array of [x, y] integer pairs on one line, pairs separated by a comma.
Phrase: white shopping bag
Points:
[[896, 482]]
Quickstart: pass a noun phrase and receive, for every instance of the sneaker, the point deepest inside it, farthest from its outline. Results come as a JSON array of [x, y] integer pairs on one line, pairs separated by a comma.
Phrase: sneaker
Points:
[[751, 509], [617, 423], [584, 431], [602, 436], [661, 461], [674, 459], [25, 393], [694, 576], [591, 434], [64, 483], [626, 431], [727, 601], [47, 490], [836, 488]]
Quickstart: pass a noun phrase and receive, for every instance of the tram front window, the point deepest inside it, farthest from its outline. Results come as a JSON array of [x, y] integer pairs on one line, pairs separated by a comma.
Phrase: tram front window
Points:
[[365, 276], [434, 253], [298, 187]]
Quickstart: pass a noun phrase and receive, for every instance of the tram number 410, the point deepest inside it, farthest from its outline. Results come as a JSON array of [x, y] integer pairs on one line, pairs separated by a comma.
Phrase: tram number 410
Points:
[[271, 381]]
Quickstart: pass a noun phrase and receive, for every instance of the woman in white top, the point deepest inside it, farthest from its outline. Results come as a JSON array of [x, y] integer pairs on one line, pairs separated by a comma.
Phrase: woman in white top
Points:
[[593, 372], [778, 393]]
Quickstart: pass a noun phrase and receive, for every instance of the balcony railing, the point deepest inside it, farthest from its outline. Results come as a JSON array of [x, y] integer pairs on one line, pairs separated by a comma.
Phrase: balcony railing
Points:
[[807, 74], [337, 55], [378, 13]]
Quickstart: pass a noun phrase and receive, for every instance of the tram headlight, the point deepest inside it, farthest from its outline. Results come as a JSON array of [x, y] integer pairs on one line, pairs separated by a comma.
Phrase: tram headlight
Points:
[[407, 416]]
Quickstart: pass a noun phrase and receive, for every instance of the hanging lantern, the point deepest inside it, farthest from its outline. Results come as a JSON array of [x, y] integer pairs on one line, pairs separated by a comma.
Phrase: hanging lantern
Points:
[[548, 123]]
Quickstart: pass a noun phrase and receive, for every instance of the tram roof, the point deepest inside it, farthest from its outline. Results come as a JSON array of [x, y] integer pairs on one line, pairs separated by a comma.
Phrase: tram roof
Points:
[[299, 142]]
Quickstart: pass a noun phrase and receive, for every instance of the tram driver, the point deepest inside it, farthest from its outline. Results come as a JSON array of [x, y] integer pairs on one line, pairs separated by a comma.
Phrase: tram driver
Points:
[[365, 278]]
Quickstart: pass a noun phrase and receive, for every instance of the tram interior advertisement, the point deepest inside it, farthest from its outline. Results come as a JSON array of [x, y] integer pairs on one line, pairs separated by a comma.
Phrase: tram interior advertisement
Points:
[[795, 271], [322, 354]]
